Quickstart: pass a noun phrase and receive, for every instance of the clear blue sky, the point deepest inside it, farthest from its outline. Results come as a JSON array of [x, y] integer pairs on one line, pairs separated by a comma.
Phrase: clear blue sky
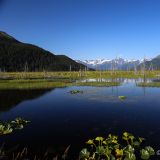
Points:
[[86, 29]]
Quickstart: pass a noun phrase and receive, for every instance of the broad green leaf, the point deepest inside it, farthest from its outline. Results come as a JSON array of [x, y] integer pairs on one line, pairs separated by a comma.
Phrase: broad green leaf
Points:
[[20, 126], [144, 154], [112, 136], [90, 142], [119, 152], [130, 149], [114, 141], [141, 139], [5, 129], [113, 157], [100, 150], [116, 146], [125, 134], [131, 137], [84, 153], [99, 139], [105, 142], [150, 150], [130, 156], [125, 138]]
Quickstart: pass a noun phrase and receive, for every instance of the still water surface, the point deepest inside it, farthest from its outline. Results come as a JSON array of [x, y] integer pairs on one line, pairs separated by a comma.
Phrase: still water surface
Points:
[[59, 119]]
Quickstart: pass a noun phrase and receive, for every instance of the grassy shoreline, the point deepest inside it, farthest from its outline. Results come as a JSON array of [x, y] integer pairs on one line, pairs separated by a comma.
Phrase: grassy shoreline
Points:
[[79, 75], [49, 80], [31, 84], [49, 84]]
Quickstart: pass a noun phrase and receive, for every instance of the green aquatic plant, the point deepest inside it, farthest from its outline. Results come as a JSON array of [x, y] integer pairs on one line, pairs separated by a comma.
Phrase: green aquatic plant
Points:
[[114, 148], [9, 127], [122, 97], [5, 128], [19, 123], [75, 91]]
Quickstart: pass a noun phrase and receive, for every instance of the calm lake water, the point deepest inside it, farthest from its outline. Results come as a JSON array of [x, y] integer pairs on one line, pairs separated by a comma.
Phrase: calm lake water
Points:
[[59, 119]]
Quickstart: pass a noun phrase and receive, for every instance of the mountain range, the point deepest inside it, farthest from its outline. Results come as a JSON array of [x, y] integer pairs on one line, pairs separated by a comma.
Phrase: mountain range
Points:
[[121, 64], [18, 56]]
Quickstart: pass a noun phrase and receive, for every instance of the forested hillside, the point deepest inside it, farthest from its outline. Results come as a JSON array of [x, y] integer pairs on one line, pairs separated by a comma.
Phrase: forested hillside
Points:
[[18, 56]]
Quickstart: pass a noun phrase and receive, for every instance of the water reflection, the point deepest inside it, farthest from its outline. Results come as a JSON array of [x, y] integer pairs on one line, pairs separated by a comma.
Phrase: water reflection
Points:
[[11, 98], [121, 80]]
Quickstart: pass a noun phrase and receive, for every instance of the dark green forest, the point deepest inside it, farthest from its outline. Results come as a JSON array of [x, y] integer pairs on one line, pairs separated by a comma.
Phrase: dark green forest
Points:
[[18, 56]]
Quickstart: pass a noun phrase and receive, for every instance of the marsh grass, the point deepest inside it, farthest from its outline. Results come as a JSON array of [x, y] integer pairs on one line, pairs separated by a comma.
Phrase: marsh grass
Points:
[[77, 75], [49, 84], [17, 153], [149, 84], [49, 80], [32, 84]]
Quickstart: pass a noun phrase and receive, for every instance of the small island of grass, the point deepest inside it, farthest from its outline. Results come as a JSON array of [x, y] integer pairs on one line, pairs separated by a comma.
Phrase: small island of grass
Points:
[[122, 97]]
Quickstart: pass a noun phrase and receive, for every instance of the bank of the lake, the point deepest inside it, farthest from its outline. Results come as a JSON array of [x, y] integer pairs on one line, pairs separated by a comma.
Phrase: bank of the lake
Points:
[[80, 74]]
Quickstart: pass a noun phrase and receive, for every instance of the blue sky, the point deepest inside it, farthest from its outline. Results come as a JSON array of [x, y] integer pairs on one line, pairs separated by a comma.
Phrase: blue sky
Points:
[[86, 29]]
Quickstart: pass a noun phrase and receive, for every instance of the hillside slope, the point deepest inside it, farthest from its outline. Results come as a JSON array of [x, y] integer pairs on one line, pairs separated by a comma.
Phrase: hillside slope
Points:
[[18, 56]]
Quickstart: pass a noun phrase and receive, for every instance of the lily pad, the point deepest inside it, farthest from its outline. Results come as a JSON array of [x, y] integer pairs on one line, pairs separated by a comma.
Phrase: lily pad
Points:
[[122, 97]]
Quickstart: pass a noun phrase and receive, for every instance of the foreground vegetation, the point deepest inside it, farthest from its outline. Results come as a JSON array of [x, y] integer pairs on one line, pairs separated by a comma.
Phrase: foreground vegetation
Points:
[[113, 148], [9, 127], [110, 148]]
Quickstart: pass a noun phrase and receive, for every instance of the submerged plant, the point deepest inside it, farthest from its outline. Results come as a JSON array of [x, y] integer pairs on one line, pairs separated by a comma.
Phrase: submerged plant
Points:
[[113, 148], [122, 97], [75, 91], [9, 127]]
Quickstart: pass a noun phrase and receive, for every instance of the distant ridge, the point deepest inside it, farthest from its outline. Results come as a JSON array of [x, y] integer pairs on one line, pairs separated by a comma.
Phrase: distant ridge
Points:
[[109, 64], [18, 56], [122, 64], [153, 64]]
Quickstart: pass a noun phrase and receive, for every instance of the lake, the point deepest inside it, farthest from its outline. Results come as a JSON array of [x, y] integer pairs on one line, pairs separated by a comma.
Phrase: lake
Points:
[[59, 119]]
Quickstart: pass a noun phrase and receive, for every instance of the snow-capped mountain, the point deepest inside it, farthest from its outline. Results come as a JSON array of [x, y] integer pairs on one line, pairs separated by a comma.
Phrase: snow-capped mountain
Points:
[[108, 64]]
